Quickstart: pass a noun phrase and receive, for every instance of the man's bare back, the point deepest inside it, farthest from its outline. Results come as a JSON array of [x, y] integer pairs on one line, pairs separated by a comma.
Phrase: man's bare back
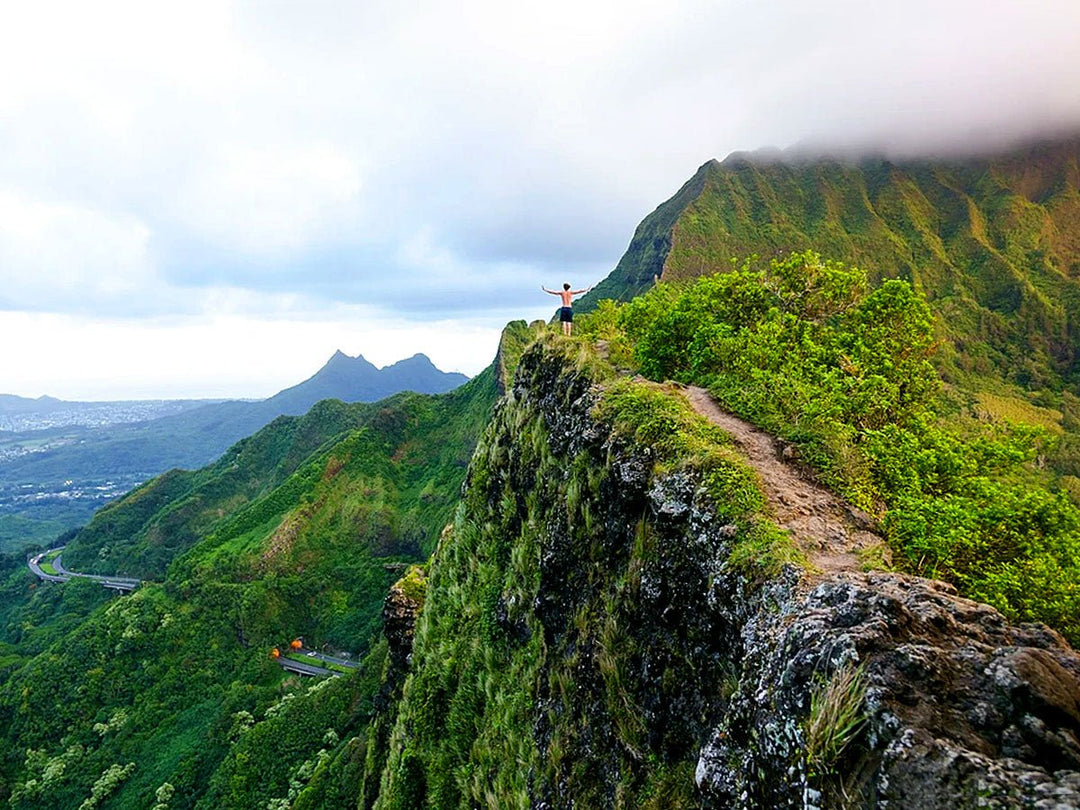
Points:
[[566, 316]]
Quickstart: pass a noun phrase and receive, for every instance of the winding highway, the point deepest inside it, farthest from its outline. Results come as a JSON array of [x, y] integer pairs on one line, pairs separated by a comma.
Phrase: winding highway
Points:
[[121, 584], [127, 585], [300, 668]]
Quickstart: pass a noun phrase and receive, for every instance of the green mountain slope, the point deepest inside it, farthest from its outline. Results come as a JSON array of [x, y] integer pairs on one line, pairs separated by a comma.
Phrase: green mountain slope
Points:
[[142, 532], [171, 692], [36, 488], [993, 242]]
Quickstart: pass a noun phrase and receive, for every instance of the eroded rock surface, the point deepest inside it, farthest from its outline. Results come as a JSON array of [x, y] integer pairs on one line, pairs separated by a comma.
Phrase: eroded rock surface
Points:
[[964, 710], [661, 675]]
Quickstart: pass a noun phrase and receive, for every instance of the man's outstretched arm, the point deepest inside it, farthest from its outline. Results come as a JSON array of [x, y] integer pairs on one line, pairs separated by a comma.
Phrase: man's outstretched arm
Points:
[[550, 292]]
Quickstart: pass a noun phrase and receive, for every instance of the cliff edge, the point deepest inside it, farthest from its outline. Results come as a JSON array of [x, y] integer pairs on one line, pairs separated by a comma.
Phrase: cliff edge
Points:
[[615, 619]]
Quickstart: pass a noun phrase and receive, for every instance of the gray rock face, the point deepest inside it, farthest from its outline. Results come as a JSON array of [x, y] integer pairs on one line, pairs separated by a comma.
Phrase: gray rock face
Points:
[[963, 709], [669, 676], [399, 626]]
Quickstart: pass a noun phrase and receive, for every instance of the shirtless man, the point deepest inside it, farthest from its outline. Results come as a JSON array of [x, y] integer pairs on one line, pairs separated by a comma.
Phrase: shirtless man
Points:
[[566, 314]]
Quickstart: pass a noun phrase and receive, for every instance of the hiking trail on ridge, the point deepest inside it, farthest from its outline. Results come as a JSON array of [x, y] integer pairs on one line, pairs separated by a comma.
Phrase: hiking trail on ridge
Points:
[[829, 530]]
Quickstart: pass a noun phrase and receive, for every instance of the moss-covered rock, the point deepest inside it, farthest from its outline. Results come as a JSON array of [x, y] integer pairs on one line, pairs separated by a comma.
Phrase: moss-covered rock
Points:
[[592, 636]]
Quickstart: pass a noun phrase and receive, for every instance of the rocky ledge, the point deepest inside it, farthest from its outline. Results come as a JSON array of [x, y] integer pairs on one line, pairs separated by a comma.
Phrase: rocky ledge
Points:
[[652, 669], [961, 709]]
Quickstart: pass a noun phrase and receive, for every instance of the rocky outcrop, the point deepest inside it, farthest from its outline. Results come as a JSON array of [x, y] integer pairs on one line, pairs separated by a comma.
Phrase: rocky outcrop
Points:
[[962, 710], [400, 610], [590, 640], [959, 706]]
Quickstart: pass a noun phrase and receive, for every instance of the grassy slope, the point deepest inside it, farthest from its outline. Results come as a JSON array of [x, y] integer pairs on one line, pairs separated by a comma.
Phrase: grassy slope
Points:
[[992, 243], [286, 535]]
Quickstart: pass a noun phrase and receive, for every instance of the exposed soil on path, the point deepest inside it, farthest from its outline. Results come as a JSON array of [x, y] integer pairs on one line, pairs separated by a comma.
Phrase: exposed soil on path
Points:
[[828, 529]]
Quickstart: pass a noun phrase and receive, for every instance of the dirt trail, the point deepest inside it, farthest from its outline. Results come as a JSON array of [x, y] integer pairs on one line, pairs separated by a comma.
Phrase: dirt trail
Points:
[[829, 530]]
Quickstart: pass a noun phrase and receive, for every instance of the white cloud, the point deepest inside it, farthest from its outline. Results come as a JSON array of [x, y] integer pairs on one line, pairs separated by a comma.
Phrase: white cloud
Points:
[[427, 157], [221, 355], [97, 54], [58, 253], [265, 200]]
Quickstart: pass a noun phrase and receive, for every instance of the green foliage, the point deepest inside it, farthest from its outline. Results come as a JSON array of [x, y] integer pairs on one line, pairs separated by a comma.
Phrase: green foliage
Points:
[[762, 552], [801, 348], [658, 419], [602, 326], [288, 534], [107, 784], [836, 716], [17, 532], [798, 330], [414, 584], [670, 787], [273, 761], [468, 732]]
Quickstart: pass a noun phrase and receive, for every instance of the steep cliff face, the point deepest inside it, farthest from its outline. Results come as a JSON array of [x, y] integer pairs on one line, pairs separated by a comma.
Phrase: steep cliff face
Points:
[[613, 621]]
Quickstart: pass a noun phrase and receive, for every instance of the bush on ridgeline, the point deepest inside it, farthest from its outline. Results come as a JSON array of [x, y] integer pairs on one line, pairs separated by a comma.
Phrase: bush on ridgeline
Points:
[[801, 347], [802, 329]]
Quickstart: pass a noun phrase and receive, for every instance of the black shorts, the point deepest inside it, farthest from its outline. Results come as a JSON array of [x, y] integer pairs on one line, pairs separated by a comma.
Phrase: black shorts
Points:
[[566, 314]]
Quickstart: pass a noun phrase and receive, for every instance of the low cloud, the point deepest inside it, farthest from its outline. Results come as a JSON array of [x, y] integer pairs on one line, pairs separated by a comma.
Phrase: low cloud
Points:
[[65, 255], [432, 160]]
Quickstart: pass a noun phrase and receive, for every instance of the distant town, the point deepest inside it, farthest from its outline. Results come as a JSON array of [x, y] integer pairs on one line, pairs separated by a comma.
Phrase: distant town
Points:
[[16, 498], [92, 414]]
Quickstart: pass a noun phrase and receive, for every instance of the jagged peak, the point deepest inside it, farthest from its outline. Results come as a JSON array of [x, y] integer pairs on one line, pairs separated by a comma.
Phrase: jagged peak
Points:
[[339, 362]]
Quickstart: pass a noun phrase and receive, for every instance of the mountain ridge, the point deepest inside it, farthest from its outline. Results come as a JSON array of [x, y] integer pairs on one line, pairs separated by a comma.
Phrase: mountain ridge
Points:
[[123, 455], [355, 379], [630, 645], [993, 241], [612, 613], [339, 360]]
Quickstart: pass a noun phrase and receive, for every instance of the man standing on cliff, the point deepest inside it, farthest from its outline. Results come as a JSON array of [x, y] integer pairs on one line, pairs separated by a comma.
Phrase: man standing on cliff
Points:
[[566, 314]]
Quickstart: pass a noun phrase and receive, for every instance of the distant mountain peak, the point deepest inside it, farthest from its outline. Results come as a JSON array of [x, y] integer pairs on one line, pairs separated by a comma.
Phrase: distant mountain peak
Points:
[[419, 359], [355, 379]]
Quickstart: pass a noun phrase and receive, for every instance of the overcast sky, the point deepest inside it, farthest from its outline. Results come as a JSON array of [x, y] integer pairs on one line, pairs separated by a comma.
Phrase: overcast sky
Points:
[[209, 198]]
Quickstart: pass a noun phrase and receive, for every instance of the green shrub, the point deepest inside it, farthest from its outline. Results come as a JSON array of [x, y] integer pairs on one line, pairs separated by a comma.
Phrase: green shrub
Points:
[[837, 714], [800, 348]]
